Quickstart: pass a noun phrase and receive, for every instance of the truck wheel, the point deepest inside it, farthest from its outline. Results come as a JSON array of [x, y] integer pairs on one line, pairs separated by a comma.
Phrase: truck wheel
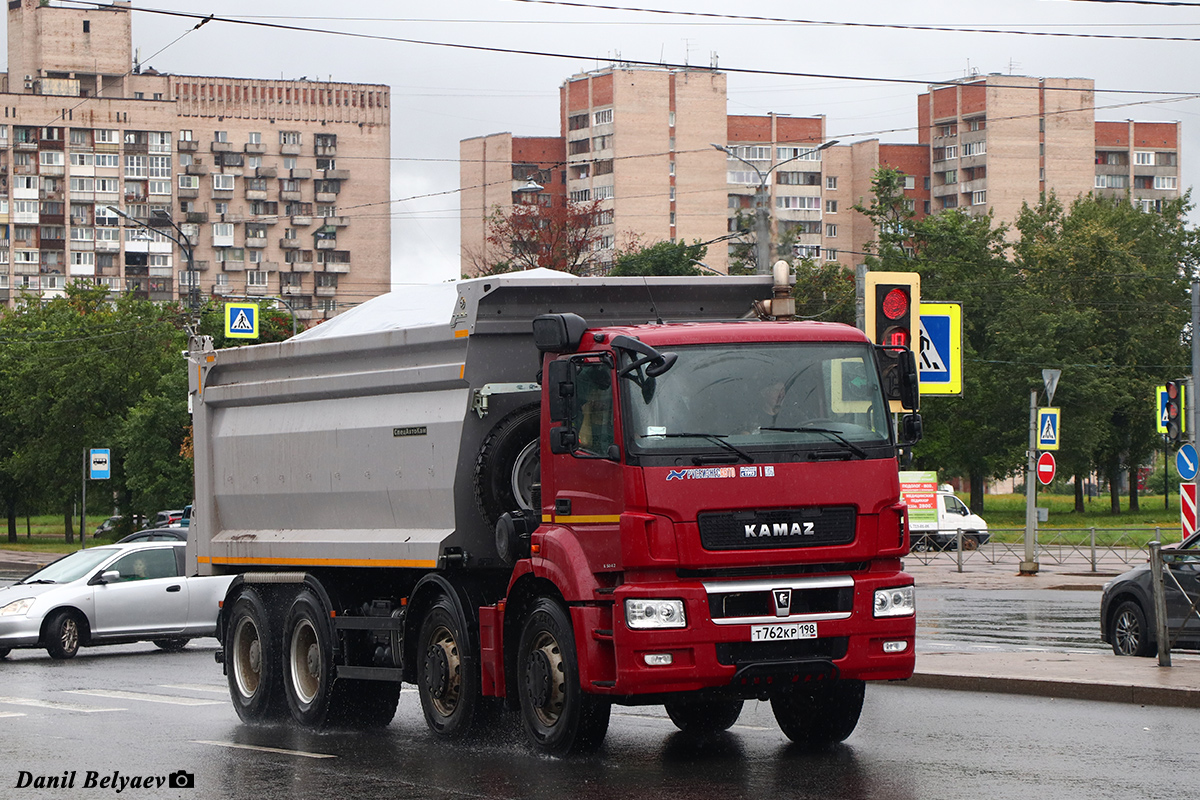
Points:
[[447, 675], [509, 465], [63, 634], [817, 717], [252, 659], [558, 716], [704, 716], [308, 661], [171, 645]]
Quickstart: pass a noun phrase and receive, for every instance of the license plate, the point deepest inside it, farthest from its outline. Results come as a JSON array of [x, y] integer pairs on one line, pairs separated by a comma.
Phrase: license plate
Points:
[[783, 633]]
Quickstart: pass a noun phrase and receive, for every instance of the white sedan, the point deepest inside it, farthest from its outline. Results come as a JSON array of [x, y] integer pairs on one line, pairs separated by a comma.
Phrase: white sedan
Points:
[[111, 595]]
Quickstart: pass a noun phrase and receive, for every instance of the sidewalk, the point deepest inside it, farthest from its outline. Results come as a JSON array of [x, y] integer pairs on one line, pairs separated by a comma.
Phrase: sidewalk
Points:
[[1076, 676]]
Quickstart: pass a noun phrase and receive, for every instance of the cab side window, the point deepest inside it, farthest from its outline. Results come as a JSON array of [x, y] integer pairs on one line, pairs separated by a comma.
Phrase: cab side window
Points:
[[592, 410]]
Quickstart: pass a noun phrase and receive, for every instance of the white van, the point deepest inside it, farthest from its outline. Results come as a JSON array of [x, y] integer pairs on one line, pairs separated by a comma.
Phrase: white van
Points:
[[952, 516]]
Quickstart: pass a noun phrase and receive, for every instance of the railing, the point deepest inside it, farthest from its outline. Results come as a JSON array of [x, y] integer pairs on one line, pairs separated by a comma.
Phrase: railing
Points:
[[1091, 547], [1158, 581]]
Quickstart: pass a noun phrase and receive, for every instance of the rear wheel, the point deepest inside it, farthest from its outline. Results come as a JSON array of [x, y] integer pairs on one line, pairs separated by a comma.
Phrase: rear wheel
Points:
[[816, 717], [252, 659], [1129, 634], [171, 645], [447, 674], [63, 634], [704, 716], [558, 716], [308, 660]]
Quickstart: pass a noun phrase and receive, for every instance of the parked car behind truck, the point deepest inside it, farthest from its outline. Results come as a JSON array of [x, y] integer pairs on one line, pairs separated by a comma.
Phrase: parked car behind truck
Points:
[[540, 492]]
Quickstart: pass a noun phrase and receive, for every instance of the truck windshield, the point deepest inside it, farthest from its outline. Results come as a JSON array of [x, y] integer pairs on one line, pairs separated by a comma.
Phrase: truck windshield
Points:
[[788, 395]]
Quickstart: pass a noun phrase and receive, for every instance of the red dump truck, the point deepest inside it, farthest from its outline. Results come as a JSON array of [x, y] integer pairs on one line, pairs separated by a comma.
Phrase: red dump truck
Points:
[[533, 491]]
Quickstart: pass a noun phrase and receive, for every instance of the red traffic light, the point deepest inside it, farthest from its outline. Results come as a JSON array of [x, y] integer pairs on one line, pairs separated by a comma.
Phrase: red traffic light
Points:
[[895, 303]]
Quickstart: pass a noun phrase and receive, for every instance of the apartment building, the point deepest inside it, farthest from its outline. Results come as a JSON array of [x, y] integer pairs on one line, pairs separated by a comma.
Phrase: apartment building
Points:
[[642, 141], [281, 187]]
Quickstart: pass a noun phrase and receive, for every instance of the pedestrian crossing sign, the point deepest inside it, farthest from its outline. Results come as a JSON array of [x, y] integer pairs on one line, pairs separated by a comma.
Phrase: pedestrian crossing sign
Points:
[[1048, 430], [241, 320]]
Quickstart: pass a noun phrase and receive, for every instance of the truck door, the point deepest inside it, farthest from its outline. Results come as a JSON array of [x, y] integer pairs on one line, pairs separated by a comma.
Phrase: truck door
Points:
[[587, 482]]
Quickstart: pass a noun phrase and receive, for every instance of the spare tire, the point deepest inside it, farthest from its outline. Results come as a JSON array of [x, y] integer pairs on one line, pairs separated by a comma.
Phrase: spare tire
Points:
[[509, 465]]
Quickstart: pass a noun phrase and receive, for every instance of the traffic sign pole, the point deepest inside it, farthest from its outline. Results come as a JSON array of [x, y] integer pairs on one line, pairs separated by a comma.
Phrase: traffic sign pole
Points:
[[1029, 566]]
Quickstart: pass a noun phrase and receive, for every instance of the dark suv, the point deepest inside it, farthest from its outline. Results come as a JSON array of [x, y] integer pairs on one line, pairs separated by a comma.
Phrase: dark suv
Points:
[[1127, 620]]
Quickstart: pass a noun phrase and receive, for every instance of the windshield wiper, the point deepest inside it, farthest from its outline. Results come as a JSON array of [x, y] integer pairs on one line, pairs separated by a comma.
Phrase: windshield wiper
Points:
[[39, 580], [716, 438], [858, 451]]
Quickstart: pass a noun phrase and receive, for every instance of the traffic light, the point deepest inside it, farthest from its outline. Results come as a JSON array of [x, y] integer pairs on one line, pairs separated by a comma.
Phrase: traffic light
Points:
[[893, 303], [1174, 411], [893, 319]]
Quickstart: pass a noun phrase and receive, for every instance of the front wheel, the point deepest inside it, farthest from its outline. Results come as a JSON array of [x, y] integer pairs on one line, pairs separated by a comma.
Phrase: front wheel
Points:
[[704, 716], [558, 716], [1129, 634], [252, 659], [818, 716], [447, 674], [63, 634]]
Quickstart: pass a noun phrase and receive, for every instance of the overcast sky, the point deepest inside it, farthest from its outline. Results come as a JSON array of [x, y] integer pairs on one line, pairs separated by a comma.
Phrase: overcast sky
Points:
[[443, 94]]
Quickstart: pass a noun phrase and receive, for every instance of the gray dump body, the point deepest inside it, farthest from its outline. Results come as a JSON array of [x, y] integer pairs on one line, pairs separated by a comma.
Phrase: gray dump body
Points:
[[355, 443]]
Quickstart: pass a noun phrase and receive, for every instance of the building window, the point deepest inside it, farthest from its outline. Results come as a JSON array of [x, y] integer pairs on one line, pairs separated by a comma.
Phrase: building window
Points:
[[289, 162], [831, 206], [220, 136], [974, 148], [254, 137], [786, 153], [289, 137], [1143, 158], [189, 181], [256, 277], [577, 122], [50, 158], [223, 183], [1165, 182], [603, 117], [831, 231], [185, 136], [135, 166], [602, 142], [581, 196], [602, 192], [742, 177], [579, 146], [910, 182], [160, 141], [831, 182], [978, 198], [795, 202], [949, 177]]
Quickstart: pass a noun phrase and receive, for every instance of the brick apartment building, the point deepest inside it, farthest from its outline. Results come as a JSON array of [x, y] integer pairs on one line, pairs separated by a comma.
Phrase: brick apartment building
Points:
[[640, 140], [272, 181]]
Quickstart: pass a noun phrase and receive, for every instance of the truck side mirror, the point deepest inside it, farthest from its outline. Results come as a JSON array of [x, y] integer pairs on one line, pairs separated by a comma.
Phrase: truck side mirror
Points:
[[911, 430], [560, 385], [910, 381], [563, 440]]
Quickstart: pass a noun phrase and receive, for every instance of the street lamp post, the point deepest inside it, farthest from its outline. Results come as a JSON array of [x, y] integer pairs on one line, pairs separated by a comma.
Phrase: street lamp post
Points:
[[183, 240], [762, 212]]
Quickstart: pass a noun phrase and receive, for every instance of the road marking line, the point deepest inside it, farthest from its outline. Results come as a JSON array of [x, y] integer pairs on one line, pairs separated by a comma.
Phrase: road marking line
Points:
[[149, 698], [236, 746], [214, 688], [5, 714], [56, 705]]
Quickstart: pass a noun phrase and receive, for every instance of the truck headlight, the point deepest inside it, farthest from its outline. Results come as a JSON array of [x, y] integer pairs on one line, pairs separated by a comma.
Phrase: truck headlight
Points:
[[655, 614], [17, 607], [898, 602]]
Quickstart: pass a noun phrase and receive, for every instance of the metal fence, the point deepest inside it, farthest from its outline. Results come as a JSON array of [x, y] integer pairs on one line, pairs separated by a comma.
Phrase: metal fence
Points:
[[1160, 575], [1089, 548]]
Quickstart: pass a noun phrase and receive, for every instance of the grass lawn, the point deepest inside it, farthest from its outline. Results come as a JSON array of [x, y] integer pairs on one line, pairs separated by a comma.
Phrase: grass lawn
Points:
[[46, 534]]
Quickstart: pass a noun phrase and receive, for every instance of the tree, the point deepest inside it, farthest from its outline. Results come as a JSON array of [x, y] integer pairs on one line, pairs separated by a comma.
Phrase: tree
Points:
[[660, 258], [824, 291], [562, 236]]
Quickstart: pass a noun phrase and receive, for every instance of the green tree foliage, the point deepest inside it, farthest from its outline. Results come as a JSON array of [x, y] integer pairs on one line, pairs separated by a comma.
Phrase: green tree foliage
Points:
[[660, 258], [824, 291]]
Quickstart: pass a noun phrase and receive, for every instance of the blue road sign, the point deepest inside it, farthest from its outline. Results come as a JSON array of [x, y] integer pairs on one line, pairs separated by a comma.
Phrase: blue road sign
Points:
[[939, 353], [1048, 428], [100, 462], [1186, 463], [241, 320]]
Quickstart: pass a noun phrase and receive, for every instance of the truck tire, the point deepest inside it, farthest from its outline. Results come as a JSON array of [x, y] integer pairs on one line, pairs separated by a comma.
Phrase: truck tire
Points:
[[308, 684], [63, 635], [704, 716], [509, 464], [447, 672], [252, 658], [817, 717], [558, 716]]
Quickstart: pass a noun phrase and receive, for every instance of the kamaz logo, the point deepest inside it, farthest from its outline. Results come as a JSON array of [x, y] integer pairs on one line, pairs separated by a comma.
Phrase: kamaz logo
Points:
[[780, 529]]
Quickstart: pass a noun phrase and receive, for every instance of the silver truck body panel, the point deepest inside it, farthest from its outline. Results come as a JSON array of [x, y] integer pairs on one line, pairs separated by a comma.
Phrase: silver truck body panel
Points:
[[356, 445]]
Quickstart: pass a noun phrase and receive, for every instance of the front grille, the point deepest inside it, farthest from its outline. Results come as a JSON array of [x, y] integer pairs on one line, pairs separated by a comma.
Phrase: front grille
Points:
[[776, 528], [759, 603], [744, 653]]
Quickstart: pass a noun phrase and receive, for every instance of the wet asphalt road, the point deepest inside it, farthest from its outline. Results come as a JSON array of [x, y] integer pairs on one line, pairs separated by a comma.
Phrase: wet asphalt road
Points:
[[131, 711]]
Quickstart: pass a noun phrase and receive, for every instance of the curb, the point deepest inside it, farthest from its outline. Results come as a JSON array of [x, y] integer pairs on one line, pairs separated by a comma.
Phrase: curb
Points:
[[1177, 697]]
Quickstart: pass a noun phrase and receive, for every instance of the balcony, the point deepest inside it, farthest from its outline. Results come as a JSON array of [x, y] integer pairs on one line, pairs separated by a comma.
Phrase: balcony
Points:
[[337, 174], [187, 194], [301, 221], [197, 168], [233, 266], [289, 244], [325, 291], [222, 147], [326, 197], [254, 194], [256, 244], [222, 289], [256, 291], [341, 267], [289, 149], [301, 266], [255, 148], [301, 174], [327, 244], [337, 222], [266, 172], [107, 246], [325, 150], [196, 217], [286, 289], [289, 197], [187, 147], [269, 266]]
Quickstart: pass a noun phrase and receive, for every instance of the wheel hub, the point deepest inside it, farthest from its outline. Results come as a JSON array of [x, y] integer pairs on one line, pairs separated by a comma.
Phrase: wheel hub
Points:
[[437, 671], [537, 678], [255, 656], [314, 660]]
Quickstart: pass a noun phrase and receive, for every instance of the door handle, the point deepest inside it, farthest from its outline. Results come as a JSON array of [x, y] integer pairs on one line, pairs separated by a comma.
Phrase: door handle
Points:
[[174, 588]]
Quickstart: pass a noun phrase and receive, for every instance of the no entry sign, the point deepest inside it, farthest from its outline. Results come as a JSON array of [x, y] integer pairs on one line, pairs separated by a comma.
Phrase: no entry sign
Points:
[[1045, 468]]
